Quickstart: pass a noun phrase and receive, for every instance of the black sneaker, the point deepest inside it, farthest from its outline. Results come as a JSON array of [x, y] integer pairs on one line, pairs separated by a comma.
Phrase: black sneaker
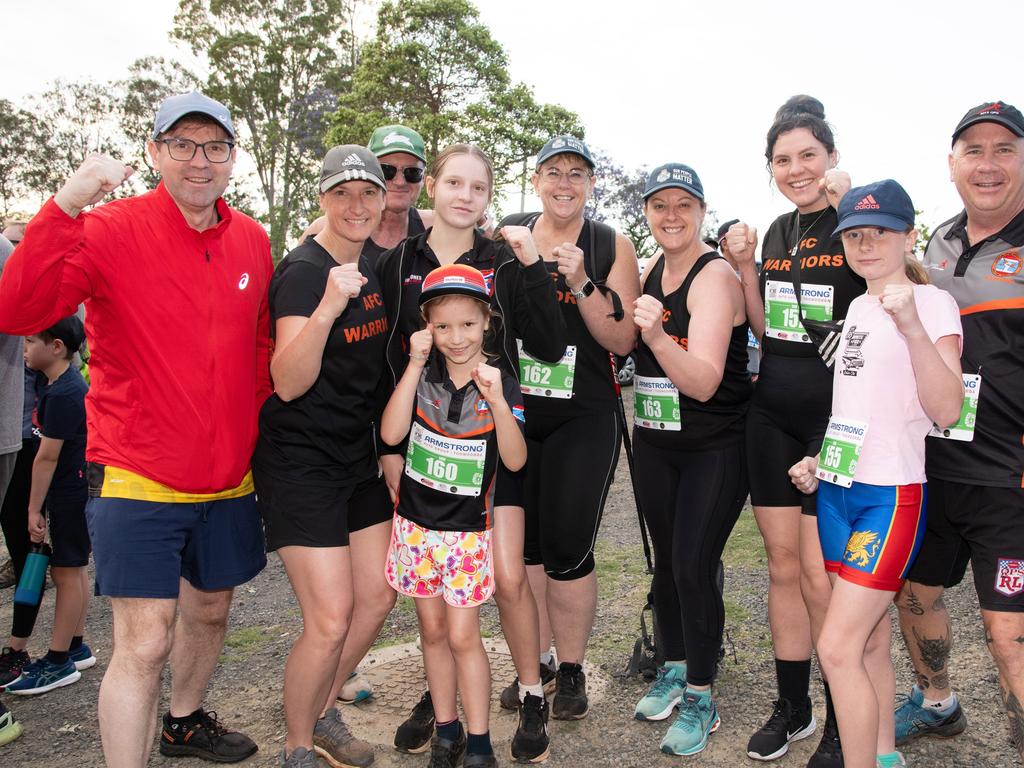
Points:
[[510, 695], [205, 738], [11, 664], [786, 724], [570, 692], [480, 761], [445, 753], [530, 742], [413, 736], [829, 753]]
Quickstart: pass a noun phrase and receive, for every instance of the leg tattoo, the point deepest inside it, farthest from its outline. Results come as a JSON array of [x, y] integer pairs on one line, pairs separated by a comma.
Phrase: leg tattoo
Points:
[[934, 655], [1015, 714]]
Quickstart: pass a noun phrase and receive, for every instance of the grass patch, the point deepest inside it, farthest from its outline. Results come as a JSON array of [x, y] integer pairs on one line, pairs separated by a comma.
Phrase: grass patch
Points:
[[620, 571], [241, 643], [745, 549]]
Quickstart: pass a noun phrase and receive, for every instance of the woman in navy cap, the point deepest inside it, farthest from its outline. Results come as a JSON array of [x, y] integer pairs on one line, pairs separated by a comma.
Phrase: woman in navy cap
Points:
[[691, 393]]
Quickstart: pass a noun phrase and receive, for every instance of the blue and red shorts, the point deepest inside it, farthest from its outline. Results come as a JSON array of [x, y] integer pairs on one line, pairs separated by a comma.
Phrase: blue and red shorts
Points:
[[870, 534]]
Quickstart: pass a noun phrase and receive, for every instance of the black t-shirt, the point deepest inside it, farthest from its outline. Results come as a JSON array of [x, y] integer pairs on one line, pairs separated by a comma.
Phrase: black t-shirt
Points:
[[828, 285], [719, 421], [326, 435], [60, 414], [371, 250]]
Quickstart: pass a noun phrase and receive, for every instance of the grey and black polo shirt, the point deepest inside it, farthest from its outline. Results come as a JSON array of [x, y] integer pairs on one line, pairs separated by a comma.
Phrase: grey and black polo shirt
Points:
[[987, 281], [452, 458]]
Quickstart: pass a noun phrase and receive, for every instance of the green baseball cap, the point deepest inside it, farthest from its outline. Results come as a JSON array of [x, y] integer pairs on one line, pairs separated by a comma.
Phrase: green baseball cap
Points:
[[397, 138]]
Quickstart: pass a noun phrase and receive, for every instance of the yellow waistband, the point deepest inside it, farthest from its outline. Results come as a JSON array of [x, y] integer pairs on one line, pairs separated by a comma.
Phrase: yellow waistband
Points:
[[121, 484]]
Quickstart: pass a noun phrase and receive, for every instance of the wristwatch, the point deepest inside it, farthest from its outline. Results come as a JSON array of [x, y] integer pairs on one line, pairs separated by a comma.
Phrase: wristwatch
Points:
[[585, 290]]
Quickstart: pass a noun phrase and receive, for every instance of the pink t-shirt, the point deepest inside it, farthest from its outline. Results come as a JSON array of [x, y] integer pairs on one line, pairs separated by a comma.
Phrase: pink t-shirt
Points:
[[875, 383]]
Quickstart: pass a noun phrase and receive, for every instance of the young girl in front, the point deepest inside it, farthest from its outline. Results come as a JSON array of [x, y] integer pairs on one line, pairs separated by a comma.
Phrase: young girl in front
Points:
[[897, 371], [461, 414]]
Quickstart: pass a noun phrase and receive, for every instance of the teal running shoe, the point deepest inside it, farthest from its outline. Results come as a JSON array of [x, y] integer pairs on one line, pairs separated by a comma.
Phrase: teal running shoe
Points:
[[696, 721], [41, 676], [665, 692], [83, 658], [913, 719]]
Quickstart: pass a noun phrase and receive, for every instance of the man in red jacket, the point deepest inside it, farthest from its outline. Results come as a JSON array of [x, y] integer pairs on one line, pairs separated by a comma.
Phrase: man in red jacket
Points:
[[175, 286]]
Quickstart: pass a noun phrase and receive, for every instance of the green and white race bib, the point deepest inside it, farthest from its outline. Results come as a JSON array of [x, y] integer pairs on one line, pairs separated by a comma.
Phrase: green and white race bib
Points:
[[656, 404], [840, 450], [445, 464], [964, 428], [544, 379], [782, 313]]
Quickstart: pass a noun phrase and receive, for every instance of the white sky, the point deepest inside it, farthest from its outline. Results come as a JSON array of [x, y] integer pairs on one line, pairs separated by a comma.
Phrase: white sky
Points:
[[675, 80]]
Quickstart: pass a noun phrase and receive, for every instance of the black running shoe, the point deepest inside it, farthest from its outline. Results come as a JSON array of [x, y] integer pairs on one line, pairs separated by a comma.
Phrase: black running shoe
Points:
[[413, 736], [12, 662], [205, 738], [785, 724], [829, 753], [570, 692], [510, 695], [445, 753], [530, 742], [480, 761]]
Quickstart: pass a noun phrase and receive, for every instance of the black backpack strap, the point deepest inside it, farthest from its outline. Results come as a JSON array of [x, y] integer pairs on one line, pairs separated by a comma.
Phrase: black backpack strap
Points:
[[600, 257]]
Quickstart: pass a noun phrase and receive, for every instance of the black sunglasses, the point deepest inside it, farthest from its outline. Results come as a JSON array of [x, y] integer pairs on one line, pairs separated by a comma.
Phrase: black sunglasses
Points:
[[412, 174]]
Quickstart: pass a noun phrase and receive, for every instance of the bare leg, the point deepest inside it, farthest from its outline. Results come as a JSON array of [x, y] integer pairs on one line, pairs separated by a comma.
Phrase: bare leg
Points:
[[374, 599], [128, 695], [787, 614], [321, 578], [198, 641], [878, 662], [571, 606], [471, 666], [86, 592], [69, 611], [437, 657], [814, 582], [516, 607], [850, 625], [539, 587], [928, 636], [1004, 632]]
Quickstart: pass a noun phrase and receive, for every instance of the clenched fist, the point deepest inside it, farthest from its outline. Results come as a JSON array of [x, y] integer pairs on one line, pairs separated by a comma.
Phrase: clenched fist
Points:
[[96, 178]]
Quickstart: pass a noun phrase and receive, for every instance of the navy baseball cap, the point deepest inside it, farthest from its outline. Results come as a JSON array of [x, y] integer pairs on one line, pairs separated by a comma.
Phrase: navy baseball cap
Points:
[[174, 108], [999, 112], [724, 229], [882, 204], [674, 175], [560, 145]]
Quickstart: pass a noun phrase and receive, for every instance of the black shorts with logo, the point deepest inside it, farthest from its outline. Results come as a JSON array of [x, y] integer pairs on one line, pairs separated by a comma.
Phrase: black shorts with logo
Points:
[[980, 524]]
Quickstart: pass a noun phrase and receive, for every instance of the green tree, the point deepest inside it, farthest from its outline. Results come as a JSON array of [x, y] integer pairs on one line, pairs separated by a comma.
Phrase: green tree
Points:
[[20, 134], [275, 64], [434, 66]]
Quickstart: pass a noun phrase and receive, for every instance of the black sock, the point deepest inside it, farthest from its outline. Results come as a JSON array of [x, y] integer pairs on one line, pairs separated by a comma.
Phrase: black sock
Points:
[[59, 658], [794, 680], [76, 643], [449, 730], [830, 710], [479, 744], [188, 719]]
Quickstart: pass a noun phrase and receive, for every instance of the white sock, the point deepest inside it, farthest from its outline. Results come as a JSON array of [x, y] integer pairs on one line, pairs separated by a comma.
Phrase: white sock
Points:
[[547, 658], [534, 690], [940, 705]]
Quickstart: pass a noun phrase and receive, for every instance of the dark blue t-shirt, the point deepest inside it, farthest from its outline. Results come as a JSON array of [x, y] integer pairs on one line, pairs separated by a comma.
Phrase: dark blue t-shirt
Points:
[[60, 415]]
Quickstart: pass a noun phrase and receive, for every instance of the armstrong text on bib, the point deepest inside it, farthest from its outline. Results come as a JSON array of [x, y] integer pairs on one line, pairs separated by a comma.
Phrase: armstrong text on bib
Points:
[[782, 313], [656, 403], [445, 464], [840, 450]]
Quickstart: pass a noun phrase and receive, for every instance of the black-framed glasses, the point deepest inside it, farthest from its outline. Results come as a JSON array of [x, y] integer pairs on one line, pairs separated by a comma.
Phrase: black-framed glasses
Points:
[[413, 174], [184, 150]]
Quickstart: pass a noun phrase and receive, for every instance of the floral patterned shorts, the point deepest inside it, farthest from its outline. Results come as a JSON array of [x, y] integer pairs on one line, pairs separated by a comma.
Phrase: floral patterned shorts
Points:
[[453, 564]]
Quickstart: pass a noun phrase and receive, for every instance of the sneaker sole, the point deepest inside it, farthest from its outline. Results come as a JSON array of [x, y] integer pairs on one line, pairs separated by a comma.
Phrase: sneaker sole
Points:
[[177, 750], [10, 733], [574, 716], [85, 664], [72, 678], [701, 747], [663, 715], [803, 733], [947, 731], [360, 697], [413, 750], [338, 763], [531, 760]]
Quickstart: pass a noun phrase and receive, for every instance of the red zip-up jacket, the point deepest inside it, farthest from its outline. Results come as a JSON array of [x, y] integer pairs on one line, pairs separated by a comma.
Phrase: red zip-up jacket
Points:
[[178, 327]]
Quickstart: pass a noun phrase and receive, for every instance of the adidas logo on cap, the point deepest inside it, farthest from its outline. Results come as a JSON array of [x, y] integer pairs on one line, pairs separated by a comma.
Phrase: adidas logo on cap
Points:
[[867, 204], [353, 159]]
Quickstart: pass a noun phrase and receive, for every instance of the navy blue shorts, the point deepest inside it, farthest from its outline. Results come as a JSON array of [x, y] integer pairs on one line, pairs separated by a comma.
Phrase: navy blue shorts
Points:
[[143, 548], [69, 535]]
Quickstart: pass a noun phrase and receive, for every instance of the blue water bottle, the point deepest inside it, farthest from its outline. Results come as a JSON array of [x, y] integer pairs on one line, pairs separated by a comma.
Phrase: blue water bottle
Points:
[[30, 587]]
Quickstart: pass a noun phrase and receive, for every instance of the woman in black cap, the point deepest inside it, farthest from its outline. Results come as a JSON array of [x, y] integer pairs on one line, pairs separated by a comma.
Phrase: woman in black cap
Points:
[[791, 404], [325, 509], [691, 393]]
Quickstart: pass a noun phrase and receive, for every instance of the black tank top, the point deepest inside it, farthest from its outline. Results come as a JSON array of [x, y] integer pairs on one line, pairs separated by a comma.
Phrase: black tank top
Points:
[[592, 387], [371, 250], [719, 421]]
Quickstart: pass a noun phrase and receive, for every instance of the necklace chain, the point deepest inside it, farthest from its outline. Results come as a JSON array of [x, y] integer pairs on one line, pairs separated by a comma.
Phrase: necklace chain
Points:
[[800, 236]]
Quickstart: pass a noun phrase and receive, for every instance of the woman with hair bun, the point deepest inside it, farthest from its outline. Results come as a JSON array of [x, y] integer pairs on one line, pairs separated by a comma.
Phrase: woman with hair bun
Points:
[[791, 403]]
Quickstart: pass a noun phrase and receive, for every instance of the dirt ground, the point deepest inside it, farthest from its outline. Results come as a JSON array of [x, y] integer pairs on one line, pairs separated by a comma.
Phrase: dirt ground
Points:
[[61, 727]]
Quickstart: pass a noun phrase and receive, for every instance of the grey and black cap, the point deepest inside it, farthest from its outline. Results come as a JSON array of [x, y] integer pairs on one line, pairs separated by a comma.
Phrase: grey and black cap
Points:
[[350, 162]]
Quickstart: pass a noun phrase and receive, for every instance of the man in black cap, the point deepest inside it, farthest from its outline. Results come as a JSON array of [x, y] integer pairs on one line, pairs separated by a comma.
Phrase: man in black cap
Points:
[[976, 468], [178, 325]]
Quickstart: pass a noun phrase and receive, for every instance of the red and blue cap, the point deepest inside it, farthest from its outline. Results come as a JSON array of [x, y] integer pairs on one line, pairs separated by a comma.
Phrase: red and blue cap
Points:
[[882, 204], [454, 280]]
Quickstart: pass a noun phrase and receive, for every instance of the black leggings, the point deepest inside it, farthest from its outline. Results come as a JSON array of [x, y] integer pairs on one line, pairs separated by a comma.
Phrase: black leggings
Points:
[[691, 501], [14, 521]]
